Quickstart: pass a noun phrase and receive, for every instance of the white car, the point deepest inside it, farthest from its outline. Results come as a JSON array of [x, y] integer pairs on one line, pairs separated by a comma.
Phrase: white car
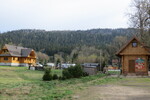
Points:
[[39, 65]]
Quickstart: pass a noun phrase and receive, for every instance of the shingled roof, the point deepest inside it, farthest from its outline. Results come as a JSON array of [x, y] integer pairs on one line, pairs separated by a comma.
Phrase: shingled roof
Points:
[[17, 51]]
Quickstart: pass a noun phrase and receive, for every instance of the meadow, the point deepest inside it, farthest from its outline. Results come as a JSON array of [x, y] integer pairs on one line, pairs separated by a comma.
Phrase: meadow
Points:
[[19, 83]]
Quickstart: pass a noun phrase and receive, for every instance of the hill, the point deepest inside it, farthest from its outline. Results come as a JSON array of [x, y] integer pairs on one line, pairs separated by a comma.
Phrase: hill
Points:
[[52, 42]]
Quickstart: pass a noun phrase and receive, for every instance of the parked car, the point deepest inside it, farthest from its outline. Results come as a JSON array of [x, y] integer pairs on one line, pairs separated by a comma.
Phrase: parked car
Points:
[[40, 65]]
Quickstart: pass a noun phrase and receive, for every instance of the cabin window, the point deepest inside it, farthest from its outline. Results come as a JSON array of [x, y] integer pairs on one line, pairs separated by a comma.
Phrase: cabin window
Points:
[[5, 51], [13, 58], [5, 58], [134, 44], [18, 59]]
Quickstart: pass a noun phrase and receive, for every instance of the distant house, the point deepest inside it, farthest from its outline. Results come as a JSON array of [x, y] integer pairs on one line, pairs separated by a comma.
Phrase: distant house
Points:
[[134, 58], [17, 56], [91, 68], [90, 64], [52, 65], [66, 65]]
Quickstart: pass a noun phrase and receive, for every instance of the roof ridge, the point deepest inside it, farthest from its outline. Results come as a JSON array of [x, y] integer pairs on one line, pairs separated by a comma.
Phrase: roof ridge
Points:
[[16, 46]]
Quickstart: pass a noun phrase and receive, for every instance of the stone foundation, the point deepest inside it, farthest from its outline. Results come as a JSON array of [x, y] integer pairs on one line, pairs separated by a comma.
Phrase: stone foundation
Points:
[[14, 64]]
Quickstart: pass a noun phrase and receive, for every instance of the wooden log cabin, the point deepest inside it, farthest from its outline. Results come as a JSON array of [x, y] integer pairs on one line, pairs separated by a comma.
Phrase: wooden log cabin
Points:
[[17, 56], [134, 58]]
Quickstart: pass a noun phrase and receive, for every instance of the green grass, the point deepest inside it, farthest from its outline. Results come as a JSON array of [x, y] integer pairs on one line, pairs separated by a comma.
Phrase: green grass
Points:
[[19, 83], [56, 71], [114, 72]]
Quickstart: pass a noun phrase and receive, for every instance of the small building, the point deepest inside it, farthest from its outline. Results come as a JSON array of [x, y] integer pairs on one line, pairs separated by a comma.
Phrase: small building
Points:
[[91, 68], [52, 65], [134, 58], [66, 65], [17, 56]]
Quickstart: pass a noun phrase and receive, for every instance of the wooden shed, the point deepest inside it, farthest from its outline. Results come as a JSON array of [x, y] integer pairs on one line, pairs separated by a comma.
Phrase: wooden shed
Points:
[[134, 58], [91, 68]]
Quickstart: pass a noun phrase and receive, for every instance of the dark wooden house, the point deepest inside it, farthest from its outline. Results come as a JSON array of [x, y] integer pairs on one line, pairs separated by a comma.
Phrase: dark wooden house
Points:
[[134, 58], [91, 68]]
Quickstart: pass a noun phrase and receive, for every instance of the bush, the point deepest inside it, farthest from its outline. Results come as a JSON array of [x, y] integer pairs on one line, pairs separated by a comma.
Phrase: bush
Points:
[[66, 73], [55, 77], [73, 72], [47, 76], [63, 78], [85, 74], [60, 78]]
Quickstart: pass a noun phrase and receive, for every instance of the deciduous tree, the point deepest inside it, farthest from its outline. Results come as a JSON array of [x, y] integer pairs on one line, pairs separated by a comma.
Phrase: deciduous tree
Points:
[[140, 17]]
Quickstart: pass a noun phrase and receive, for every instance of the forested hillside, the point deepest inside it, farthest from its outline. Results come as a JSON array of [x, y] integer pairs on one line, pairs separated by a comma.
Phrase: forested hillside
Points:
[[54, 42]]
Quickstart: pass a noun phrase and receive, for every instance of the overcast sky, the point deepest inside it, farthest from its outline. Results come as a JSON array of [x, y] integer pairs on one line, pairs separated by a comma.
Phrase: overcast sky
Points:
[[62, 14]]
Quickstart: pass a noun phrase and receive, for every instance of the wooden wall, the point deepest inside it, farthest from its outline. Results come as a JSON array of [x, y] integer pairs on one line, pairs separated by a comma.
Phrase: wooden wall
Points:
[[125, 65], [18, 60], [6, 61]]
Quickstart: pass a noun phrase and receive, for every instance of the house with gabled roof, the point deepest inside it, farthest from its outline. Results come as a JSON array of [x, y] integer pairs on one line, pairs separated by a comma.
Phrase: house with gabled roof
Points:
[[11, 55], [134, 57]]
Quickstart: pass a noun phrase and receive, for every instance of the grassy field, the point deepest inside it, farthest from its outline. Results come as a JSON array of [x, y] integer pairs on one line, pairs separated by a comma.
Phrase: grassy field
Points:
[[19, 83]]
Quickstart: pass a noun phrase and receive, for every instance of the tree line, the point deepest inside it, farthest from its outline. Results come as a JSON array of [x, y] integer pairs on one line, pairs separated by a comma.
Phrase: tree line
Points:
[[70, 46]]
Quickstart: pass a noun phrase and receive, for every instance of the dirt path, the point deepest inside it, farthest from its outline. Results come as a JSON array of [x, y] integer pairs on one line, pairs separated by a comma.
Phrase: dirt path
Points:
[[122, 91]]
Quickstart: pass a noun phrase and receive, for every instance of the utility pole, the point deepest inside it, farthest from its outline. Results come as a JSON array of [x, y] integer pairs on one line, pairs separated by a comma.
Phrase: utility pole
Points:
[[100, 65]]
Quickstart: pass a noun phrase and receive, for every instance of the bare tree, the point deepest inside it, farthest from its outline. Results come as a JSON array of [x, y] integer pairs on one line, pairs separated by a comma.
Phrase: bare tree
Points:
[[42, 57], [119, 41], [140, 17]]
